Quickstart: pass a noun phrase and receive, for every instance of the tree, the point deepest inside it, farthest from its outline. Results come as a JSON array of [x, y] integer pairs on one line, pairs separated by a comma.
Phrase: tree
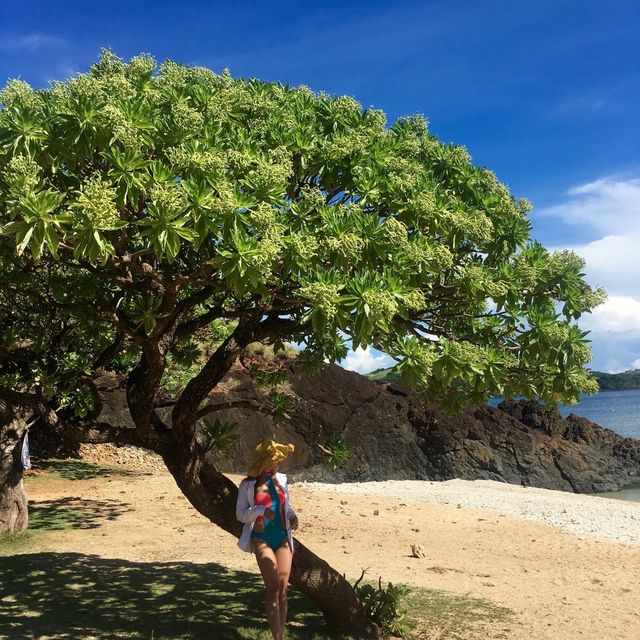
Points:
[[148, 203]]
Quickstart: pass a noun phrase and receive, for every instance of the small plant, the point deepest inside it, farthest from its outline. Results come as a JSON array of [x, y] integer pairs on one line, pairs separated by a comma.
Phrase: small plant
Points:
[[337, 452], [385, 607], [280, 406], [220, 435]]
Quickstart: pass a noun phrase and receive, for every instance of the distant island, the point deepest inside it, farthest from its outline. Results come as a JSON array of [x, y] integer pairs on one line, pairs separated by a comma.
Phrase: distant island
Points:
[[606, 381]]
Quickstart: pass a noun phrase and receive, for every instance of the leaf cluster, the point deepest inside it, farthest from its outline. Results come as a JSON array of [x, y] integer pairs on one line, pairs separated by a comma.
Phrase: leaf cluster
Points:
[[339, 453], [220, 435]]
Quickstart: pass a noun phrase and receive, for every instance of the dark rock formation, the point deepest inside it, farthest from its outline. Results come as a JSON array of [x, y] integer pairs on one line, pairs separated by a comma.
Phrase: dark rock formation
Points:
[[521, 442], [394, 434]]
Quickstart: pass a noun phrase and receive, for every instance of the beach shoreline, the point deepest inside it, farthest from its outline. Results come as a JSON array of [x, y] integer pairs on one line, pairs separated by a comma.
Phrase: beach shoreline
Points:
[[581, 514]]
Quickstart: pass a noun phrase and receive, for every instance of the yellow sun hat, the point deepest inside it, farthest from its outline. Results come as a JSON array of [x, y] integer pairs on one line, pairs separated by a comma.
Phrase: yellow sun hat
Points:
[[266, 453]]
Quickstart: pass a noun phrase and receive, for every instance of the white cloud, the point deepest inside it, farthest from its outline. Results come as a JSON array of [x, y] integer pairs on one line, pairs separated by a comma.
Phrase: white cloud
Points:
[[364, 361], [608, 206], [609, 209], [636, 364], [31, 43], [612, 263], [619, 315]]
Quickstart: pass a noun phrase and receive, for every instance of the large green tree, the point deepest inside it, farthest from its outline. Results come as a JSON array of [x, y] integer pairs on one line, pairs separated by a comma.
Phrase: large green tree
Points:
[[140, 204]]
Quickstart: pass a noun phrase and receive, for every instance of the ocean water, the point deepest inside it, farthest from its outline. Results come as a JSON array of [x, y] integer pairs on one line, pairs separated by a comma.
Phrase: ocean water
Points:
[[617, 410]]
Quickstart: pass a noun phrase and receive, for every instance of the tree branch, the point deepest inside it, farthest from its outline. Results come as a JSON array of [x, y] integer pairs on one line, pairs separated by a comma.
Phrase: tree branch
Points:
[[216, 367], [98, 432], [33, 401], [231, 404], [190, 326]]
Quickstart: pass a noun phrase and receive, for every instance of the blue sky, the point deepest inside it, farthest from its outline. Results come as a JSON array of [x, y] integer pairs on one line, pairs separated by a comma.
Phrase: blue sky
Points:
[[544, 93]]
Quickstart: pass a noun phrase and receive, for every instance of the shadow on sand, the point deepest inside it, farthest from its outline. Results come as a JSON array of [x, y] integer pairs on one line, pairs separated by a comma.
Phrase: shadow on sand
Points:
[[76, 513], [80, 470], [75, 597]]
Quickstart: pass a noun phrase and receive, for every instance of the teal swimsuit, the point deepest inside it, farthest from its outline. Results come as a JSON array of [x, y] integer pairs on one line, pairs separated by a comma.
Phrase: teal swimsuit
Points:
[[275, 533]]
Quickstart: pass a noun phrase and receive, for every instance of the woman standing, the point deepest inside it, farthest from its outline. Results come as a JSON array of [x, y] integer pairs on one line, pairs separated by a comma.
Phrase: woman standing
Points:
[[263, 507]]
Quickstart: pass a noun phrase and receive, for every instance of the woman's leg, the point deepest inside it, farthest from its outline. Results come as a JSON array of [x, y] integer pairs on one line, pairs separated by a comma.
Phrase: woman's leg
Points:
[[269, 570], [283, 560]]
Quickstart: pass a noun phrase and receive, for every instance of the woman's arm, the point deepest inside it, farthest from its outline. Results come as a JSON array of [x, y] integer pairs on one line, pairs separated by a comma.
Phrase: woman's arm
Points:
[[244, 511]]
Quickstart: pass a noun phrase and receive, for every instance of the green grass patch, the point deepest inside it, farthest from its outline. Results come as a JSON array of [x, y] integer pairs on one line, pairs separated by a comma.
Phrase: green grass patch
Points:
[[13, 543], [66, 595], [436, 615], [70, 595], [46, 516], [72, 513]]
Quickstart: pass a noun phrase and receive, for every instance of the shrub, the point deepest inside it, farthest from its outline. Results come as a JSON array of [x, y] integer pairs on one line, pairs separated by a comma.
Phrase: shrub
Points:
[[338, 453], [384, 606]]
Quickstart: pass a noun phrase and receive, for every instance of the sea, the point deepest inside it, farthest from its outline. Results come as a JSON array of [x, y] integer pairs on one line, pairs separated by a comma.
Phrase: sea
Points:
[[616, 410]]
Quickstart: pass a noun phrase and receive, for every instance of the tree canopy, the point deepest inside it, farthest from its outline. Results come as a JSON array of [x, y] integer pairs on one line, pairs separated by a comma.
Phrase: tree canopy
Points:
[[141, 203]]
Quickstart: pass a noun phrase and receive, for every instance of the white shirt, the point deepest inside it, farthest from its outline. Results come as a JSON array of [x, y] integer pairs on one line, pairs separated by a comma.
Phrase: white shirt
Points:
[[247, 510]]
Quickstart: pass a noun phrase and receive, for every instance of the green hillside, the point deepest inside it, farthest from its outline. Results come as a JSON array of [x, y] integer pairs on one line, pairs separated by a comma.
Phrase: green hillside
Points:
[[606, 381], [618, 381], [383, 375]]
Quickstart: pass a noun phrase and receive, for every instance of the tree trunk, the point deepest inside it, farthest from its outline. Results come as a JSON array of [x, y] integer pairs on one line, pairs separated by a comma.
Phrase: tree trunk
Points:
[[214, 496], [14, 513]]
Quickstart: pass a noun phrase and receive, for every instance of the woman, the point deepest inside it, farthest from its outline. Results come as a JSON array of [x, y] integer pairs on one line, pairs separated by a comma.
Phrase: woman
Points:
[[263, 507]]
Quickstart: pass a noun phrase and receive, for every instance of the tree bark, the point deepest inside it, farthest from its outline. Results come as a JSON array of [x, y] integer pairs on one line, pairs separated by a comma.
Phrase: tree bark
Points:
[[17, 412], [143, 384], [14, 512]]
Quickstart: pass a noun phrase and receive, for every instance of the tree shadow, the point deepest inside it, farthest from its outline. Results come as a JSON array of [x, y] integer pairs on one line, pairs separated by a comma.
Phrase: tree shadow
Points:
[[70, 596], [72, 513], [79, 470]]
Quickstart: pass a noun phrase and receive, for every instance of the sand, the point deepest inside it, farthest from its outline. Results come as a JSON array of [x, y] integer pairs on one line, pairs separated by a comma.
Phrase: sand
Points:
[[568, 566], [603, 518]]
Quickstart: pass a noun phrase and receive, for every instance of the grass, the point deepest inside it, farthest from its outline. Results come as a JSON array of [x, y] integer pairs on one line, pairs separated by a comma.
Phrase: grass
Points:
[[13, 543], [47, 516], [436, 615], [71, 596], [66, 595]]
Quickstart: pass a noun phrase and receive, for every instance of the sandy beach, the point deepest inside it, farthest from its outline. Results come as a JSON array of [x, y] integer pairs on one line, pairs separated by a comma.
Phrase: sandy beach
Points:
[[581, 514], [567, 566]]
